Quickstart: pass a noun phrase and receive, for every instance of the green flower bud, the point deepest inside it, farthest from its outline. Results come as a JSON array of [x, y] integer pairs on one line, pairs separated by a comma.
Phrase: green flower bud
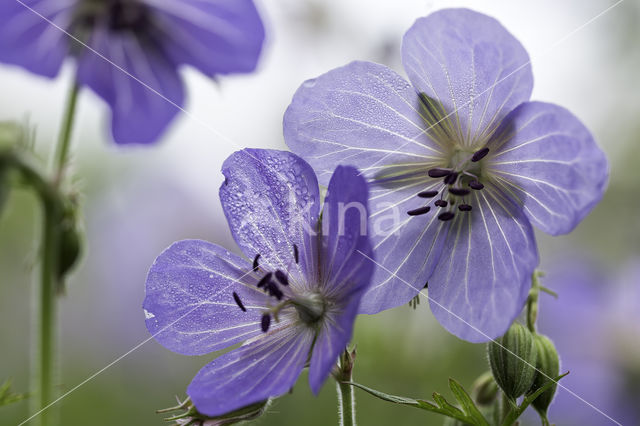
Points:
[[548, 366], [513, 358], [485, 389], [70, 241]]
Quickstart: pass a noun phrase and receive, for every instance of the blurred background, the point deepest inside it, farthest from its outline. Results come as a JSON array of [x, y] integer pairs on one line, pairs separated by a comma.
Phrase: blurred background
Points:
[[137, 201]]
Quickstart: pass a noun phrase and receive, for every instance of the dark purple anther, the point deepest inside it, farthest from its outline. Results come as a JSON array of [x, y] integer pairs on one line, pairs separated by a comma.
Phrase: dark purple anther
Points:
[[427, 194], [446, 216], [459, 191], [419, 211], [464, 207], [282, 277], [255, 262], [480, 154], [263, 282], [239, 302], [296, 254], [441, 203], [474, 184], [438, 173], [273, 290], [451, 179], [265, 322]]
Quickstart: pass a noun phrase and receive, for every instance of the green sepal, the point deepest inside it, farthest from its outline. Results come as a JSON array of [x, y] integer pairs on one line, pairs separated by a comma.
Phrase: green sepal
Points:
[[468, 415], [512, 358], [517, 412], [548, 366], [192, 416]]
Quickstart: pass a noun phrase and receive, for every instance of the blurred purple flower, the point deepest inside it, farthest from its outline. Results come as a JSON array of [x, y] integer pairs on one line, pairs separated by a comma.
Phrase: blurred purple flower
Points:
[[146, 42], [296, 302], [583, 324], [462, 133]]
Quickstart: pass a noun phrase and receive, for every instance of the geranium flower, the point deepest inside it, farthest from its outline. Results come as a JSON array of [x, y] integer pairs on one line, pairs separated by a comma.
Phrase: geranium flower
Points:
[[461, 165], [293, 303], [146, 42]]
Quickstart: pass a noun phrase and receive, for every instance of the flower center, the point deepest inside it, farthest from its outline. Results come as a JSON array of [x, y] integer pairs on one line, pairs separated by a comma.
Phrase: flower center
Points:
[[463, 175], [127, 15], [310, 307], [117, 15]]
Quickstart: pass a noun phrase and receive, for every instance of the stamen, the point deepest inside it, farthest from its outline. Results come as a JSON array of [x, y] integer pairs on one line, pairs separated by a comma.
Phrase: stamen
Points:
[[441, 203], [296, 254], [255, 262], [419, 211], [479, 155], [446, 216], [239, 302], [427, 194], [438, 172], [265, 322], [426, 285], [474, 184], [282, 277], [451, 179], [465, 207], [265, 280], [459, 191], [274, 291]]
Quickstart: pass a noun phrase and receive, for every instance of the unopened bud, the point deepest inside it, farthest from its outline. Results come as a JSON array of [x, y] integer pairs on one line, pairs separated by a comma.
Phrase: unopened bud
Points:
[[548, 366], [485, 389], [70, 241], [513, 359]]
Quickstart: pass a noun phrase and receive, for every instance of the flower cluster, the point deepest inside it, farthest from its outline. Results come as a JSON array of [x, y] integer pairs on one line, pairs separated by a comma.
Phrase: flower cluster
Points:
[[457, 166], [129, 51]]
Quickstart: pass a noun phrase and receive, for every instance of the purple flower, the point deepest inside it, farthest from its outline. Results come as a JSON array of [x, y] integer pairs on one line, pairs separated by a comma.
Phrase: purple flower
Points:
[[146, 42], [461, 165], [293, 303]]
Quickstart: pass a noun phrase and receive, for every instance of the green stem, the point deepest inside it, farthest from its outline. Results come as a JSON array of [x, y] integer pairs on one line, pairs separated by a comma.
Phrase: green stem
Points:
[[64, 139], [346, 404], [46, 356], [346, 396], [532, 302], [46, 368]]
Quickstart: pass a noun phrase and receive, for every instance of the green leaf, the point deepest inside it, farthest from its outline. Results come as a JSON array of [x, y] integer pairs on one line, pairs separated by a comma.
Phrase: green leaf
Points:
[[7, 397], [444, 407], [514, 414], [467, 403]]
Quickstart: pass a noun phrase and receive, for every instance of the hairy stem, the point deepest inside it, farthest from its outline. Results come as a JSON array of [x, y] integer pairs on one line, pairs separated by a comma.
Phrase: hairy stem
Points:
[[64, 139], [346, 397], [346, 404], [46, 362]]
